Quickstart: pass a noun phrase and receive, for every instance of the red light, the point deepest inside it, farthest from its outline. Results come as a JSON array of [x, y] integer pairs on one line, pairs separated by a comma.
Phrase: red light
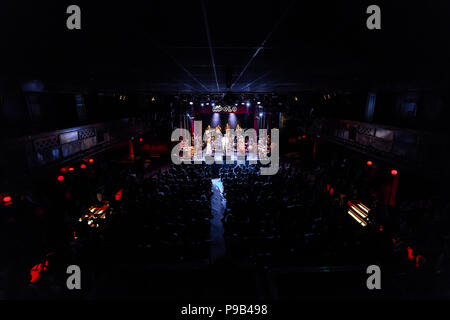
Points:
[[410, 255], [381, 228], [7, 199], [369, 163], [60, 178], [141, 139], [83, 166], [91, 160], [71, 169], [118, 195], [394, 172], [304, 137]]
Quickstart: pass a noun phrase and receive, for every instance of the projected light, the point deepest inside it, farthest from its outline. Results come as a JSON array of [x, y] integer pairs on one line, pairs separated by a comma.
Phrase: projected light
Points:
[[215, 121], [232, 120]]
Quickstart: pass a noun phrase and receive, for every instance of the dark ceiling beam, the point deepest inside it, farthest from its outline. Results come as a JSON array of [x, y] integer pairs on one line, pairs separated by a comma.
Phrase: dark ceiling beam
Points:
[[221, 47], [205, 18]]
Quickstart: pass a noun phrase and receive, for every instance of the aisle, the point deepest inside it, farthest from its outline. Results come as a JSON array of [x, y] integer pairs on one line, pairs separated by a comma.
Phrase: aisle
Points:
[[218, 203]]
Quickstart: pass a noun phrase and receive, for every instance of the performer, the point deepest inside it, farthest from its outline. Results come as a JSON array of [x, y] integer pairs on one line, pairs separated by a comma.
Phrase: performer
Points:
[[240, 140], [227, 137], [208, 140]]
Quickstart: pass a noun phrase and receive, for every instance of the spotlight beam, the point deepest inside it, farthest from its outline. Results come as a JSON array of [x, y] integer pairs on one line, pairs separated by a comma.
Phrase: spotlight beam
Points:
[[182, 67], [205, 18], [262, 45]]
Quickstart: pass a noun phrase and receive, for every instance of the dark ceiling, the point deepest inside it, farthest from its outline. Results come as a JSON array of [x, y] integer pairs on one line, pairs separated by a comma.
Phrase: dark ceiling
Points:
[[207, 46]]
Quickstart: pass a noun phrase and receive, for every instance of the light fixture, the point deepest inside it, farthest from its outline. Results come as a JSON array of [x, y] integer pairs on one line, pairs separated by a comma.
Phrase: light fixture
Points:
[[359, 212], [394, 172]]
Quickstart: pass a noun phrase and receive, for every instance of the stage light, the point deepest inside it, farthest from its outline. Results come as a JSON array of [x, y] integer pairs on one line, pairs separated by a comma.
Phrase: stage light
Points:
[[140, 139], [202, 104], [304, 137], [243, 103], [261, 114], [91, 161], [7, 199], [83, 166], [207, 103], [248, 104], [369, 163], [213, 104], [60, 178], [258, 102], [394, 172], [191, 103]]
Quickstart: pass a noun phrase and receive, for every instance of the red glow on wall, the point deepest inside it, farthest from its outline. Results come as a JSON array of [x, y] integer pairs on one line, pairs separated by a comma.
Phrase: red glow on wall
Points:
[[369, 163], [418, 260], [35, 272], [83, 166], [410, 255], [331, 191], [118, 195], [60, 178], [394, 172], [381, 228]]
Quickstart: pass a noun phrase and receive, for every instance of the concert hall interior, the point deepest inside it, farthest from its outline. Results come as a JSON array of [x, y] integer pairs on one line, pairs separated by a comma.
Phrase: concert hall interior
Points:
[[259, 150]]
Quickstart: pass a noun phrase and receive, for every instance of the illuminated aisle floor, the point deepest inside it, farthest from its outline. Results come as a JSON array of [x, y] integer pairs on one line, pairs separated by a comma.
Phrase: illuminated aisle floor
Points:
[[218, 203]]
